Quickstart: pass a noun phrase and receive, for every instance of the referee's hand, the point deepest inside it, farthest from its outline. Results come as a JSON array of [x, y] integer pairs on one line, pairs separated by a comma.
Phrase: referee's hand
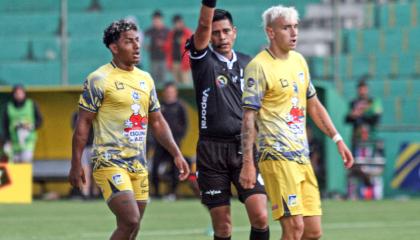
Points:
[[247, 178]]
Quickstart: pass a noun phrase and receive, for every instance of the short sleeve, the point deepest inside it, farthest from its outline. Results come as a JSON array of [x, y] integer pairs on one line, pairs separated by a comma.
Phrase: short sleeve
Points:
[[93, 94], [154, 104], [310, 92], [255, 86], [194, 53]]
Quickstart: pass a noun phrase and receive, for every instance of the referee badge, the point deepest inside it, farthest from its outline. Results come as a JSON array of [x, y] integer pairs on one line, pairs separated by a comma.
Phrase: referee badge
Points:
[[221, 81]]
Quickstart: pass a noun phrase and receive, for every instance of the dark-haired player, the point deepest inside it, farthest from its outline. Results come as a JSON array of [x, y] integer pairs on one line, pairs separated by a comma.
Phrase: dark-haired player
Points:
[[120, 101], [218, 77]]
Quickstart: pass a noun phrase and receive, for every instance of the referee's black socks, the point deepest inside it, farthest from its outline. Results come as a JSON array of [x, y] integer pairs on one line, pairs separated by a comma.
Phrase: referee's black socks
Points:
[[259, 234], [220, 238]]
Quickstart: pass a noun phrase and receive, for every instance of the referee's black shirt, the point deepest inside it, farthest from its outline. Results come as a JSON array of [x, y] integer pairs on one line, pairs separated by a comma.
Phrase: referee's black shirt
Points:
[[218, 84]]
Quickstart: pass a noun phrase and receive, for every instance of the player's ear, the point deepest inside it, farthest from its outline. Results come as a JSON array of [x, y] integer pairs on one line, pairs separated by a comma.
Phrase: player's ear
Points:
[[113, 47], [234, 32], [270, 32]]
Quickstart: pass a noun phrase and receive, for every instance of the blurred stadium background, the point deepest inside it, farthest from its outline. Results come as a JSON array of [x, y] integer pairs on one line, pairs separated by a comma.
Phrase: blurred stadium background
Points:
[[51, 46]]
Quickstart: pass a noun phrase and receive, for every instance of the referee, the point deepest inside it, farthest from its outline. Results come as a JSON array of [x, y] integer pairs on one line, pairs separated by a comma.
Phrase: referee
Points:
[[218, 73]]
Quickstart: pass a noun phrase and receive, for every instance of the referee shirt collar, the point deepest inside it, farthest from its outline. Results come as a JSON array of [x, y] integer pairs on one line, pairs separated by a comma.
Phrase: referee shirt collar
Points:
[[224, 59]]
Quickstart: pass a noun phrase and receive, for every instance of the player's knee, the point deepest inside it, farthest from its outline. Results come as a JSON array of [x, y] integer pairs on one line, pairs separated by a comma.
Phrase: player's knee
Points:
[[260, 220], [223, 229], [313, 234], [296, 228], [130, 224]]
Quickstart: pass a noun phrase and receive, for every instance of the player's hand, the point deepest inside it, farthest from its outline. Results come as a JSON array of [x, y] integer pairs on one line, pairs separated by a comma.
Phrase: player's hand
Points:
[[345, 154], [77, 176], [247, 178], [183, 168]]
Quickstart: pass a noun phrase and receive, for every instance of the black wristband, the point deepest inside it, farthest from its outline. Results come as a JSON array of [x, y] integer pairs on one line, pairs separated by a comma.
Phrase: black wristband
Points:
[[209, 3]]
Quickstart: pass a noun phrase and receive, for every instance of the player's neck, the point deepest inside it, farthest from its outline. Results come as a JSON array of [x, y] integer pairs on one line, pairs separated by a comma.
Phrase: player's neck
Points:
[[122, 65], [278, 52]]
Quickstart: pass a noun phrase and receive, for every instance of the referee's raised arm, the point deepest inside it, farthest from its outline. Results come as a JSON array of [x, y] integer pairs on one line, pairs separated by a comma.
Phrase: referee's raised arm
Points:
[[203, 32]]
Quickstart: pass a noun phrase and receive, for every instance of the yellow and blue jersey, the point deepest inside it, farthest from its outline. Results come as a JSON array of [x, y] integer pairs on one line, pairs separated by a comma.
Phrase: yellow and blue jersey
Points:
[[122, 101], [278, 89]]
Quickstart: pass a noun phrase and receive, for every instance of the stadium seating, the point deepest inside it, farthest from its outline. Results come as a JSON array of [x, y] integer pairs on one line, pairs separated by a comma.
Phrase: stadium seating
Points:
[[16, 50], [29, 25], [31, 73]]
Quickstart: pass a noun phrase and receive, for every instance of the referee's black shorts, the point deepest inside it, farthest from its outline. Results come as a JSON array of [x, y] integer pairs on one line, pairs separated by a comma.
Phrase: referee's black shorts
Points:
[[219, 163]]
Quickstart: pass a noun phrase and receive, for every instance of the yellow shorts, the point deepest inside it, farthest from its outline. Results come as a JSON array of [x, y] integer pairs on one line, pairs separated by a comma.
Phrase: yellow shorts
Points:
[[114, 180], [291, 187]]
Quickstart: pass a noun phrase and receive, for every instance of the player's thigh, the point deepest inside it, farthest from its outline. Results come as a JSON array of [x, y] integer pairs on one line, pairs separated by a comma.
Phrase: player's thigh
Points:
[[235, 168], [282, 182], [112, 181], [140, 186], [221, 217], [213, 176], [125, 208], [292, 225], [256, 207], [312, 226], [310, 193]]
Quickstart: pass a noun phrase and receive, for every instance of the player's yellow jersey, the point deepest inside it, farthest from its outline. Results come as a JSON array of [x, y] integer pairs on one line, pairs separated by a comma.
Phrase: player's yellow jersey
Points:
[[122, 101], [278, 90]]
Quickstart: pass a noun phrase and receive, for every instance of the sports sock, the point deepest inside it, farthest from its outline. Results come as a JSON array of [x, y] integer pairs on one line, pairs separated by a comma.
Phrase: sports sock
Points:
[[259, 234], [220, 238]]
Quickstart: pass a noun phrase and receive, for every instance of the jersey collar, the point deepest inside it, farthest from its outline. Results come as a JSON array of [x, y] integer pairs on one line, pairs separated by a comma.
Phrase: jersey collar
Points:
[[224, 59]]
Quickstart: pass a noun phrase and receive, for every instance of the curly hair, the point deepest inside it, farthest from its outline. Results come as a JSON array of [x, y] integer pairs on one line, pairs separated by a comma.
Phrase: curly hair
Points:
[[113, 31]]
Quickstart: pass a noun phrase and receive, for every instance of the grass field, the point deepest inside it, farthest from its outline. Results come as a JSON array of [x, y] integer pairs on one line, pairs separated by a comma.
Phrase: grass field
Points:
[[188, 220]]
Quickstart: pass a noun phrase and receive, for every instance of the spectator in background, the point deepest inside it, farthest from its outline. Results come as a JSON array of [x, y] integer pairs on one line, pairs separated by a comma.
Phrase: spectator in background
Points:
[[315, 155], [176, 59], [157, 33], [175, 113], [365, 113], [89, 189], [20, 121]]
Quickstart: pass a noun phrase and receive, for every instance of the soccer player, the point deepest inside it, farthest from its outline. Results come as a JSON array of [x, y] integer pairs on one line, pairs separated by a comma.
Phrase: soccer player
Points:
[[277, 96], [120, 100], [218, 76]]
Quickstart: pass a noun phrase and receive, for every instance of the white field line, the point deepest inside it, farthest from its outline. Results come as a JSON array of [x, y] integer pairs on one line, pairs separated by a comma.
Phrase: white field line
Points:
[[325, 226]]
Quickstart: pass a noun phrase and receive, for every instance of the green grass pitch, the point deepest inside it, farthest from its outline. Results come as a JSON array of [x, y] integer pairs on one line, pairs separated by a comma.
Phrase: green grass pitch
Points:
[[188, 220]]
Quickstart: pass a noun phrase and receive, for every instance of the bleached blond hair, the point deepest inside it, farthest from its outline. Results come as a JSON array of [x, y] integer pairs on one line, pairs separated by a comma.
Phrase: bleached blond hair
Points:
[[274, 12]]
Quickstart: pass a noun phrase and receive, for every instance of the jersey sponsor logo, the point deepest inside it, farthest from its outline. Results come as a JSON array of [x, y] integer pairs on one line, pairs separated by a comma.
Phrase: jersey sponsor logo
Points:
[[301, 77], [213, 192], [136, 126], [250, 82], [284, 83], [119, 85], [221, 81], [117, 179], [295, 88], [292, 200], [204, 100], [295, 117], [135, 95], [142, 85]]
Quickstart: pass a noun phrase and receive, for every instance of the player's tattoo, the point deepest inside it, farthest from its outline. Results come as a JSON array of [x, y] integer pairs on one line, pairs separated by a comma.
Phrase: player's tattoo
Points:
[[248, 136], [125, 202], [326, 123]]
